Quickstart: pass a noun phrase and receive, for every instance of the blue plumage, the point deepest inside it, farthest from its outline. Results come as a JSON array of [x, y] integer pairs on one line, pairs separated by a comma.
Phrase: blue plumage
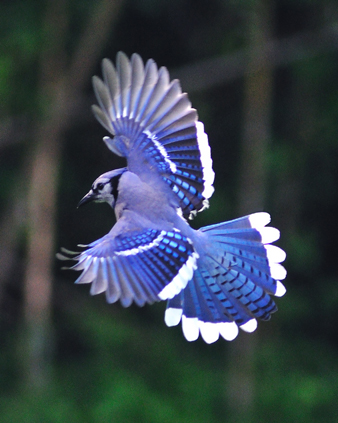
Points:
[[144, 265], [217, 279], [142, 105], [235, 281]]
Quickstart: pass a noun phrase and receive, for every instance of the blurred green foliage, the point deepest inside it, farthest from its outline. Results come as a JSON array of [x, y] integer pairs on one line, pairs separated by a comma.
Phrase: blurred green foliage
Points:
[[110, 364]]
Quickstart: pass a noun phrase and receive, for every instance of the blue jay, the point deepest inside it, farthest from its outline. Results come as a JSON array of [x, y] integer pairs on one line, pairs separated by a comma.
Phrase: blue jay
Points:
[[215, 279]]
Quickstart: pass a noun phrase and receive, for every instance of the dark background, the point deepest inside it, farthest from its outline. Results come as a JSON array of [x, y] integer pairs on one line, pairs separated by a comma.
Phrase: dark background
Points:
[[264, 77]]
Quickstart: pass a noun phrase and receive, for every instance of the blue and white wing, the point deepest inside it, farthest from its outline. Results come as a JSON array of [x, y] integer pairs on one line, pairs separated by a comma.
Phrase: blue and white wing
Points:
[[155, 128], [141, 266], [235, 286]]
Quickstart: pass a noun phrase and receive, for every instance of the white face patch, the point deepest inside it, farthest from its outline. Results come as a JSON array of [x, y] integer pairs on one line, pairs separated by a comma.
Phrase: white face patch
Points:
[[103, 194], [107, 189]]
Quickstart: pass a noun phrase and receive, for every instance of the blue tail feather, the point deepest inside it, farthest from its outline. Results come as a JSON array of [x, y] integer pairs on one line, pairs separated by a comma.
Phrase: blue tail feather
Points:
[[233, 282], [211, 310]]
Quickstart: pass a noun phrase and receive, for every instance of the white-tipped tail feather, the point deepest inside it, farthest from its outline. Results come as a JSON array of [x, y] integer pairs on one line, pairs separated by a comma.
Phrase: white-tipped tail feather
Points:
[[277, 271], [269, 234], [259, 219], [280, 289], [228, 331], [190, 328], [249, 326], [210, 332], [275, 254], [172, 316]]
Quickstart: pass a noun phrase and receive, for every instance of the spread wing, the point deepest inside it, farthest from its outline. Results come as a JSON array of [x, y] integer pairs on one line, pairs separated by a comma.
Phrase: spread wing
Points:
[[140, 265], [155, 128]]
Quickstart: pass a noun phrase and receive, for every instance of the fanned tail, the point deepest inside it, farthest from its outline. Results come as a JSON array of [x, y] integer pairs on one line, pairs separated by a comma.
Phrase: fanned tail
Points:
[[232, 286]]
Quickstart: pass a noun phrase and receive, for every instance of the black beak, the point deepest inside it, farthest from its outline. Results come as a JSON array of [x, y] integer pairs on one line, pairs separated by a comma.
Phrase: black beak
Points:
[[87, 198]]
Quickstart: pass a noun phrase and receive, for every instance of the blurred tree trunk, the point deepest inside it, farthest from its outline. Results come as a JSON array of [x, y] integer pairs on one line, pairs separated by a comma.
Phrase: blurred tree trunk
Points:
[[256, 128], [42, 196], [59, 88]]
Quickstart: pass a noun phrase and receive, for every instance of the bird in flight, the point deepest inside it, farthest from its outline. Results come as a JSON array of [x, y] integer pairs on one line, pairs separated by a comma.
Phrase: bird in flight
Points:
[[216, 279]]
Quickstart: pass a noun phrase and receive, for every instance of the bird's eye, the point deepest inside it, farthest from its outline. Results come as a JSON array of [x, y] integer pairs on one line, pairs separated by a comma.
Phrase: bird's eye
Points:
[[100, 186]]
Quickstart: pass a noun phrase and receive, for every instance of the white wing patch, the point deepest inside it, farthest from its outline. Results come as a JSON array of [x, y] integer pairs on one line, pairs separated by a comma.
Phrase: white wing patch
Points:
[[208, 173], [142, 248], [181, 280], [161, 149]]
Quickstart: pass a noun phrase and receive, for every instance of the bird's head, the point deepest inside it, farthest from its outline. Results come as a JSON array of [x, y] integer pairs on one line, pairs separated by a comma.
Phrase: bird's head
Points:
[[104, 188]]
